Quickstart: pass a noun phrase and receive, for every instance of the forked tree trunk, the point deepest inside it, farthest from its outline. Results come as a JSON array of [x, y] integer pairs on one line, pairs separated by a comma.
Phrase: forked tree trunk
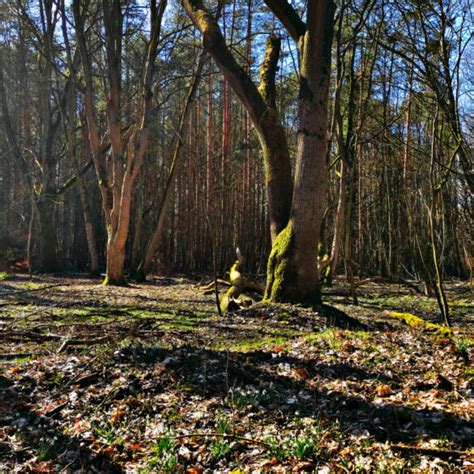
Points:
[[263, 115], [117, 176], [292, 268]]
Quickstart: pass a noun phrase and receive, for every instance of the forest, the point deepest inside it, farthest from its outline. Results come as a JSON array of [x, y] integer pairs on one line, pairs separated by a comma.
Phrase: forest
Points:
[[236, 236]]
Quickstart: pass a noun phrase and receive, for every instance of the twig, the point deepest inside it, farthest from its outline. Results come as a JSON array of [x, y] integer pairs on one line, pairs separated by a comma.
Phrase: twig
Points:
[[210, 285], [85, 379], [80, 342], [56, 410], [28, 335], [438, 452]]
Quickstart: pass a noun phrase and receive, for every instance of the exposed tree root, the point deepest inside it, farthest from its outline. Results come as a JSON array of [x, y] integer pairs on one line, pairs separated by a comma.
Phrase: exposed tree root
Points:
[[240, 284]]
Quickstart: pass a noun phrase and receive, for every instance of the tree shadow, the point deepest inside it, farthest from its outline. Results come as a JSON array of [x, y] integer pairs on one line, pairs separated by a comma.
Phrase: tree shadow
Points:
[[204, 372], [41, 437]]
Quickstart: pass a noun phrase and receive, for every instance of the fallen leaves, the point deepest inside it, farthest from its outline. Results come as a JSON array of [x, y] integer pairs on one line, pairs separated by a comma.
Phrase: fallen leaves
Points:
[[301, 373], [342, 393]]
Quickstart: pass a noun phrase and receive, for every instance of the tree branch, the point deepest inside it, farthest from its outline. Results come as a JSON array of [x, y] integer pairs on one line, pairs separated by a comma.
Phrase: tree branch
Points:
[[287, 15]]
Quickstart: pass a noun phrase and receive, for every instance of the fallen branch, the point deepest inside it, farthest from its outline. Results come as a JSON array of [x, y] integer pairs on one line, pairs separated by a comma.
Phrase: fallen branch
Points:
[[420, 324], [81, 342], [30, 290], [210, 286], [381, 279], [22, 335], [437, 452], [240, 284]]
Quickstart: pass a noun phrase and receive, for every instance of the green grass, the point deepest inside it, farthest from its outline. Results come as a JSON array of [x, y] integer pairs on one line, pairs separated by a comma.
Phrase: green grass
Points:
[[165, 459]]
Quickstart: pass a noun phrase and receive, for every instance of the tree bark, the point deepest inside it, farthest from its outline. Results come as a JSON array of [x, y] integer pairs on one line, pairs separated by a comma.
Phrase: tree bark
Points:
[[292, 268]]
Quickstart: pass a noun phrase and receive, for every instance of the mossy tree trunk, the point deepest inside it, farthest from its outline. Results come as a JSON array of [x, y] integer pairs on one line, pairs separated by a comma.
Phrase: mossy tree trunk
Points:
[[295, 208], [293, 264]]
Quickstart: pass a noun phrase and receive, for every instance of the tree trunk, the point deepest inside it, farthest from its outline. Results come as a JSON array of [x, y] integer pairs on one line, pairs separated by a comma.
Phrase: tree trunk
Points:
[[115, 263], [292, 267], [89, 228], [47, 236]]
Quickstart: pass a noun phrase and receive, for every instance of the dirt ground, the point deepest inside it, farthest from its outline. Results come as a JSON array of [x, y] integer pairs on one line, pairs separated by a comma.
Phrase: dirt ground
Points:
[[149, 378]]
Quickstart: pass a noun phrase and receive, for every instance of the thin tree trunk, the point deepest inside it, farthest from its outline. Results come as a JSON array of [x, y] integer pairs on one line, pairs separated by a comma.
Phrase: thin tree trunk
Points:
[[153, 243], [89, 227]]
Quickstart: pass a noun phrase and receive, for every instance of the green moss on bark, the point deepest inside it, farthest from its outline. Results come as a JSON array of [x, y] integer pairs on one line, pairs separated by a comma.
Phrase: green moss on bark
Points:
[[282, 275], [114, 282]]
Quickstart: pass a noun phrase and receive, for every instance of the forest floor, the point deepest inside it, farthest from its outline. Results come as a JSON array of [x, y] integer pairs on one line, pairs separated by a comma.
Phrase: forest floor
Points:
[[148, 378]]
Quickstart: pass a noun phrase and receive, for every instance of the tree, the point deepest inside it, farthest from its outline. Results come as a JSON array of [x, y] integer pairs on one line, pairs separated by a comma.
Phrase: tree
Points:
[[38, 153], [293, 264], [292, 268], [260, 105], [117, 173]]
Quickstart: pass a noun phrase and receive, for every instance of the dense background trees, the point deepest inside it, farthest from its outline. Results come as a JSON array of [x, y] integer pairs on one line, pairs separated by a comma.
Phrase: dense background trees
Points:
[[80, 85]]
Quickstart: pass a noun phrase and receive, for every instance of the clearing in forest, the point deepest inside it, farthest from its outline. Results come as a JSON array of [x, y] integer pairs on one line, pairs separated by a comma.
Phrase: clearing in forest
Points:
[[149, 379]]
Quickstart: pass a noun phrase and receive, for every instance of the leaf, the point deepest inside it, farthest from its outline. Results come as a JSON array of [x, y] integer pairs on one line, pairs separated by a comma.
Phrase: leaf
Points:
[[301, 373], [135, 446], [383, 391], [271, 462], [194, 470], [346, 345], [117, 415], [159, 369], [43, 467], [109, 450], [132, 401]]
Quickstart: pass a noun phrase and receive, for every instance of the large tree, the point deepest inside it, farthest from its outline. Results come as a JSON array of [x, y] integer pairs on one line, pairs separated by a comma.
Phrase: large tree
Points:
[[293, 264], [296, 207]]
